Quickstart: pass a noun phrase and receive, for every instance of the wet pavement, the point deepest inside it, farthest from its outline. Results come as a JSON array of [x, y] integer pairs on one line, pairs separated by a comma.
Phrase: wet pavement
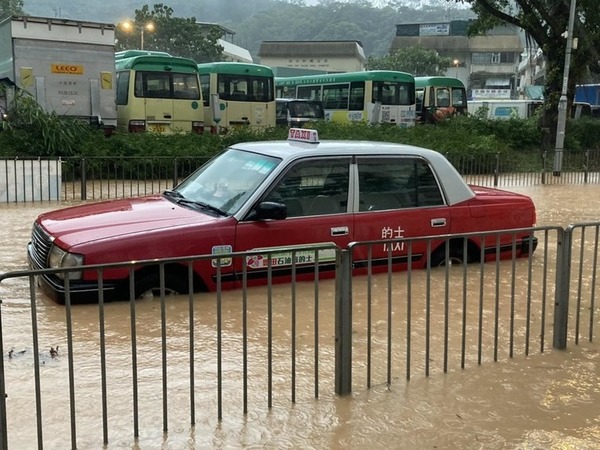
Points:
[[544, 401]]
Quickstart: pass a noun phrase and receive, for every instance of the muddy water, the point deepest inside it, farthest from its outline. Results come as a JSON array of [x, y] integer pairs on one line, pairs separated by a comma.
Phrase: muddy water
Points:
[[546, 401]]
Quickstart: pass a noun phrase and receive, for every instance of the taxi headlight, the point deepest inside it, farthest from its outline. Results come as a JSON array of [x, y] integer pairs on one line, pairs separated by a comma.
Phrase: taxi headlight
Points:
[[59, 259]]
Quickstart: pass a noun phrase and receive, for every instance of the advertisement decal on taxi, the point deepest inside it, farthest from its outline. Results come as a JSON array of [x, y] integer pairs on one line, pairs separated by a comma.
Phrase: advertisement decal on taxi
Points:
[[285, 258]]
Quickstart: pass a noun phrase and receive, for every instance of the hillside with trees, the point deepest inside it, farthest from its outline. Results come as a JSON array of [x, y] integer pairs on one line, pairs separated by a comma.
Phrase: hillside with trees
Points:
[[254, 21]]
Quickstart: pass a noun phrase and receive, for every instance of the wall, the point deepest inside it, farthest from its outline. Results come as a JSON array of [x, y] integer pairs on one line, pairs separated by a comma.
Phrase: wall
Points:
[[29, 180]]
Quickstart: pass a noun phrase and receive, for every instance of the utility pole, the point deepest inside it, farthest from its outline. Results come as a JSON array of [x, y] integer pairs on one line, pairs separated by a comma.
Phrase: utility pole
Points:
[[562, 103]]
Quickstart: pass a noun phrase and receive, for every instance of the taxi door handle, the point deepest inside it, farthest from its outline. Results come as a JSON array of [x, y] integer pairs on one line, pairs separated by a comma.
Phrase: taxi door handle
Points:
[[339, 231], [436, 223]]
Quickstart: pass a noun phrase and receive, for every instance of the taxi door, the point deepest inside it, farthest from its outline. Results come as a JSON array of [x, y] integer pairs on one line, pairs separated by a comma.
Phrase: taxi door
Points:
[[398, 197], [315, 192]]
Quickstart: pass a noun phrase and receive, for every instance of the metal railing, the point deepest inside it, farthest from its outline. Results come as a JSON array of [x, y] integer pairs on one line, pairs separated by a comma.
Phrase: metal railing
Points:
[[304, 338], [98, 178]]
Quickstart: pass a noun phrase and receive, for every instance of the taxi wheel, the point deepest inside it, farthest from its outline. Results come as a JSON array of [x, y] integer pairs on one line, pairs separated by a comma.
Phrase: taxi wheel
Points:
[[438, 257], [148, 286]]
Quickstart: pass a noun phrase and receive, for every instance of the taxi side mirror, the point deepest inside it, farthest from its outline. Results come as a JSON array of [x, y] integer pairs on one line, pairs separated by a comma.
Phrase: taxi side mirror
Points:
[[270, 210]]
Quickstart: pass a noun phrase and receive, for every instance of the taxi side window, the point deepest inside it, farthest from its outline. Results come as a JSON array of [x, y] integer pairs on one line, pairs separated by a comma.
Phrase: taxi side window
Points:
[[389, 183], [314, 188]]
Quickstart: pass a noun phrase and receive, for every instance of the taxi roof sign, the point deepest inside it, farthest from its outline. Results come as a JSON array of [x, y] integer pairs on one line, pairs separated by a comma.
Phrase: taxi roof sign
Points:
[[303, 135]]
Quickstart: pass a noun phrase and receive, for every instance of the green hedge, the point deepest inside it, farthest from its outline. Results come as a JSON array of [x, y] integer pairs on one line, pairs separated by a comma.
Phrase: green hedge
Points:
[[519, 140]]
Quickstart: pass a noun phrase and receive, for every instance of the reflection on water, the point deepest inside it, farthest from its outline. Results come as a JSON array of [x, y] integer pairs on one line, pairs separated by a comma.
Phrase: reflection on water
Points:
[[545, 400]]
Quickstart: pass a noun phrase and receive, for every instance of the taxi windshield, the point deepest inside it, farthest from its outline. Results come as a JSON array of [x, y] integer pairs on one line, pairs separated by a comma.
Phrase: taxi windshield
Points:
[[226, 182]]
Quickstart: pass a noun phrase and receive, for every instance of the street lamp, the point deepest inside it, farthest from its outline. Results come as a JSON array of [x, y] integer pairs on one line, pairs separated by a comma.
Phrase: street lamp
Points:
[[456, 63], [562, 102], [128, 26]]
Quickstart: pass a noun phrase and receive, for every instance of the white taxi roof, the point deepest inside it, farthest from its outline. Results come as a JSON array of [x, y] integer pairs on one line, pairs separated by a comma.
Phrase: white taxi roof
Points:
[[455, 188]]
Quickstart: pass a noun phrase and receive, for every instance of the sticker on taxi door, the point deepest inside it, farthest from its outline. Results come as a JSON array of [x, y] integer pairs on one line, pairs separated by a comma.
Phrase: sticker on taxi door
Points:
[[221, 250]]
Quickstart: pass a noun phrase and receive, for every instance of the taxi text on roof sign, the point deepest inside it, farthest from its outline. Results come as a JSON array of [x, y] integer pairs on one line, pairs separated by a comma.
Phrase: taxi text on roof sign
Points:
[[303, 135]]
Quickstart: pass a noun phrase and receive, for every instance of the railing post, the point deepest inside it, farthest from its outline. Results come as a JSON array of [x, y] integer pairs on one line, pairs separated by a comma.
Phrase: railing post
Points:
[[544, 167], [563, 281], [3, 395], [83, 179], [343, 323], [174, 172], [497, 170], [587, 166]]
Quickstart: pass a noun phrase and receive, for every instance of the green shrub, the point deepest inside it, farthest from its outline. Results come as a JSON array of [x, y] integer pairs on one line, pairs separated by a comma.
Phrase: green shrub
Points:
[[30, 131]]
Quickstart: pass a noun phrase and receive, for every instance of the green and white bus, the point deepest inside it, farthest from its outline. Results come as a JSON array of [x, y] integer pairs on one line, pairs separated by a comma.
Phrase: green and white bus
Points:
[[157, 92], [439, 97], [377, 96], [237, 94]]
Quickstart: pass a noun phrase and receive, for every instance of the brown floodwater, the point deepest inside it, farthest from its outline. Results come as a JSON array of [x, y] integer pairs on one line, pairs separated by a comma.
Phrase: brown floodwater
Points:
[[541, 401]]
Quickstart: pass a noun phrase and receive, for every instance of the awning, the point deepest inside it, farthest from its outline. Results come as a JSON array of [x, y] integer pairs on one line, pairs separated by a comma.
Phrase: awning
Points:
[[492, 82]]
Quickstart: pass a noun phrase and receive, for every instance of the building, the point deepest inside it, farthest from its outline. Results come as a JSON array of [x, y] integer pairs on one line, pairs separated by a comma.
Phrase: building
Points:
[[231, 52], [315, 56], [487, 65]]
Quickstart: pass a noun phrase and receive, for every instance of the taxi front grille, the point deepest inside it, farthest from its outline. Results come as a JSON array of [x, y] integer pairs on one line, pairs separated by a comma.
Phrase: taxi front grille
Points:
[[41, 244]]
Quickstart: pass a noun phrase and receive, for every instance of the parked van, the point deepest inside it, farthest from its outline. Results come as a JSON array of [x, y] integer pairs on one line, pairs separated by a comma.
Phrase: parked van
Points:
[[296, 112], [504, 109]]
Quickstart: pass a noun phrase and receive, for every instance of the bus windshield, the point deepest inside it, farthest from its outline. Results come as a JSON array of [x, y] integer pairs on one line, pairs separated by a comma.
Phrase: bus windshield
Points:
[[248, 88], [391, 93], [167, 85]]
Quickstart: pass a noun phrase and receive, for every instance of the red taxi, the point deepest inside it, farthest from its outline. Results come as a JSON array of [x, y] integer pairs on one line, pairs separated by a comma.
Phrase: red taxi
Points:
[[277, 194]]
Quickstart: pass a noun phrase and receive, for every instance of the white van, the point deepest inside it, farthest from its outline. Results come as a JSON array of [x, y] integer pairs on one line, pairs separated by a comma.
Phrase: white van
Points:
[[504, 109]]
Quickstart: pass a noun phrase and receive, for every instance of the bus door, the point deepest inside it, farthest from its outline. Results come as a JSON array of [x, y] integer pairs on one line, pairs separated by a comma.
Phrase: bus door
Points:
[[158, 102], [188, 113], [248, 101], [171, 102]]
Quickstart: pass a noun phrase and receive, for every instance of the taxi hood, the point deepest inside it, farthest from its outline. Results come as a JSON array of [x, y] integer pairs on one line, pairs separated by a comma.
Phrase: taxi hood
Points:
[[109, 219]]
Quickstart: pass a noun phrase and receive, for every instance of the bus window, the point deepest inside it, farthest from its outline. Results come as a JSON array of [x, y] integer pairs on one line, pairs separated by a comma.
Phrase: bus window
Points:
[[205, 86], [122, 88], [357, 96], [389, 93], [335, 96], [442, 97], [419, 100], [185, 86], [152, 85], [458, 97], [309, 92]]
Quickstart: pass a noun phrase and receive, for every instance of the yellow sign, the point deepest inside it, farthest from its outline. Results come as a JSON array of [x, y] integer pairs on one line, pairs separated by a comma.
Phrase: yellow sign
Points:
[[106, 80], [71, 69], [26, 76]]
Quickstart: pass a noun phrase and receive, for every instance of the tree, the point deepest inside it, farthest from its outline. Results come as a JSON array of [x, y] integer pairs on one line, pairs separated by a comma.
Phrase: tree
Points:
[[546, 22], [177, 36], [415, 60], [10, 8]]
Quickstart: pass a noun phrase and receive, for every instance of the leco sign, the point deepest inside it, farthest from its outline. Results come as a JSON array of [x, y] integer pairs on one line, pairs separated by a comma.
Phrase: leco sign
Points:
[[303, 134], [73, 69]]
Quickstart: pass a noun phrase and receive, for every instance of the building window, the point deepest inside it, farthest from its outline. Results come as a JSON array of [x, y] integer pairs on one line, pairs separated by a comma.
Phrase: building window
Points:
[[493, 58]]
